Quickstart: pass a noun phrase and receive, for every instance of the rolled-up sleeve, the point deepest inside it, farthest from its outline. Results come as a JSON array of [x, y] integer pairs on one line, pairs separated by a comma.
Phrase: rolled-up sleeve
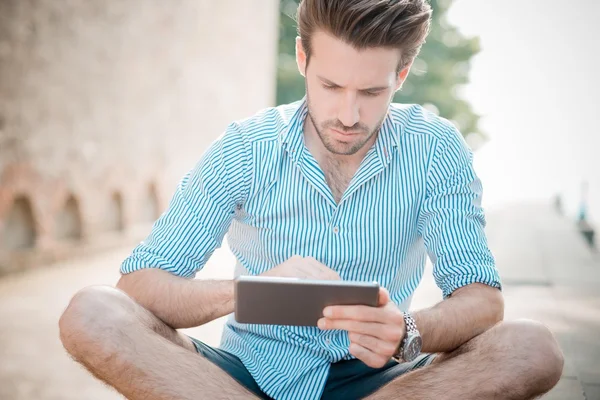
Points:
[[199, 214], [452, 221]]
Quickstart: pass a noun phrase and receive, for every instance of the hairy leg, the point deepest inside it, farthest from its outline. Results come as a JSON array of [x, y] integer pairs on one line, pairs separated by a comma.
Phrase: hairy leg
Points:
[[126, 346], [513, 360]]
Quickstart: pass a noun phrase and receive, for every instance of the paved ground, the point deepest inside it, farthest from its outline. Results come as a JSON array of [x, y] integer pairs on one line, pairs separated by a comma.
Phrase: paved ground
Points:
[[548, 273]]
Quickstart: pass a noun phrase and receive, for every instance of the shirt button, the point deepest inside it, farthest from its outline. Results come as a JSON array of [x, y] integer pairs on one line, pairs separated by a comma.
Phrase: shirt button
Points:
[[336, 229], [327, 341]]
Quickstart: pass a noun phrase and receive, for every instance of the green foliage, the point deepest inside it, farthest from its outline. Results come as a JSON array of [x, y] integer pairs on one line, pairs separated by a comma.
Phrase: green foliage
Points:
[[437, 75]]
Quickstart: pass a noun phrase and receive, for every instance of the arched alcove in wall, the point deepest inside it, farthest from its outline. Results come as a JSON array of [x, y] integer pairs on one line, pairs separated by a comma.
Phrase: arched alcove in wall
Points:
[[68, 221], [19, 228], [114, 214], [149, 206]]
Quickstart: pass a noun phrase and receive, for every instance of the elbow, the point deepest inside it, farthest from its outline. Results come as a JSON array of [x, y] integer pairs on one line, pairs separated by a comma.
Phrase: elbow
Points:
[[120, 283], [490, 304], [496, 301], [125, 283], [493, 301], [138, 284]]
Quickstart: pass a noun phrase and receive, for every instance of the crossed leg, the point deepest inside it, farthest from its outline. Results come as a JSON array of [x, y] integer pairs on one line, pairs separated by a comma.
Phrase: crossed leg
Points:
[[513, 360], [130, 349]]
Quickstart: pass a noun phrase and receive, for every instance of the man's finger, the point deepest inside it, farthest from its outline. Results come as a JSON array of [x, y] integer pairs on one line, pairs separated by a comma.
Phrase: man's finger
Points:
[[384, 297], [382, 331], [359, 313], [383, 348], [368, 357], [322, 271], [364, 328]]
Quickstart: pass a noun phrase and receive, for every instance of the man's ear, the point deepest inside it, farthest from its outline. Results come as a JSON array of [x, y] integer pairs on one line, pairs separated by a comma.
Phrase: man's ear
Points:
[[300, 57], [402, 75]]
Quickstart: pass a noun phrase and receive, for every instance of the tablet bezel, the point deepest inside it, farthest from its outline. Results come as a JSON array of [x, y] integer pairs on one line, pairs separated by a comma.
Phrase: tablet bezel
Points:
[[294, 301]]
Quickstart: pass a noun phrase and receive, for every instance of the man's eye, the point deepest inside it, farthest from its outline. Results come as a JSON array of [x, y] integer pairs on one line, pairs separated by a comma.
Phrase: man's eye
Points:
[[372, 94], [329, 87]]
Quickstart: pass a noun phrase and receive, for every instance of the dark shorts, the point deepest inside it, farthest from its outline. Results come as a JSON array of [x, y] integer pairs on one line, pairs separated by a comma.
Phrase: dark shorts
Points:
[[347, 380]]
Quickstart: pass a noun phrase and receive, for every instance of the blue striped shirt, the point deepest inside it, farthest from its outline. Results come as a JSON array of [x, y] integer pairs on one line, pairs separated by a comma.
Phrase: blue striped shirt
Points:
[[414, 194]]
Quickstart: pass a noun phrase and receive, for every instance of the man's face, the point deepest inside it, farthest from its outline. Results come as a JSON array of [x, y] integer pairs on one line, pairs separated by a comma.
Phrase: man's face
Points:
[[348, 91]]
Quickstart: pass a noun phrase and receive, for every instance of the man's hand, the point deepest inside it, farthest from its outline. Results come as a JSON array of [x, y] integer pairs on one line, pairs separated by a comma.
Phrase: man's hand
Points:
[[304, 268], [375, 332]]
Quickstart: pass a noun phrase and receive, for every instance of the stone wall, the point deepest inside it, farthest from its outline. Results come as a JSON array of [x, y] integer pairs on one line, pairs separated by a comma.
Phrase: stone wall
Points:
[[105, 105]]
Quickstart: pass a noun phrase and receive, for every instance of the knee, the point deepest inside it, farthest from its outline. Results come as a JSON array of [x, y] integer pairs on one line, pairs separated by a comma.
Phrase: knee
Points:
[[541, 357], [92, 313]]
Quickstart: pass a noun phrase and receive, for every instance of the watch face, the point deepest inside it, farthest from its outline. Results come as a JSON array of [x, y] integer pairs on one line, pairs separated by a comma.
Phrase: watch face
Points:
[[412, 347]]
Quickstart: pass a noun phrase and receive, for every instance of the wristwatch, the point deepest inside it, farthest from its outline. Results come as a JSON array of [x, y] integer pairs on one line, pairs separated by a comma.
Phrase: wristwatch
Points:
[[410, 346]]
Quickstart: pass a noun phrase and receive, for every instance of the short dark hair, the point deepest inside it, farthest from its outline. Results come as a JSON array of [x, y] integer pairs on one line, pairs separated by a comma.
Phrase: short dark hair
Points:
[[395, 24]]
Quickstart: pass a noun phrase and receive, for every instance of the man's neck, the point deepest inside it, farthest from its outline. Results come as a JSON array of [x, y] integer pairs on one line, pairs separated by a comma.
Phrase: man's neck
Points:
[[324, 156], [338, 169]]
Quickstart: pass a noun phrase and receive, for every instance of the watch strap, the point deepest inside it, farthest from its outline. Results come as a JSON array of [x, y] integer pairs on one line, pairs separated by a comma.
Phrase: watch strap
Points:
[[411, 326]]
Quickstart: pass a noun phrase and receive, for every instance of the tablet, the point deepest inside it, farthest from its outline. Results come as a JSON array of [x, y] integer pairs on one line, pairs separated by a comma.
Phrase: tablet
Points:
[[294, 301]]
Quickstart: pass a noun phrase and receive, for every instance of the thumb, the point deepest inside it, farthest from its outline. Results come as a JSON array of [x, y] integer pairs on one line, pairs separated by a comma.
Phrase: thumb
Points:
[[384, 297]]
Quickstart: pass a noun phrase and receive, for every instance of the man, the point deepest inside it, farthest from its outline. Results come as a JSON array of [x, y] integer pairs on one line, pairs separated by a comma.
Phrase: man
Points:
[[342, 184]]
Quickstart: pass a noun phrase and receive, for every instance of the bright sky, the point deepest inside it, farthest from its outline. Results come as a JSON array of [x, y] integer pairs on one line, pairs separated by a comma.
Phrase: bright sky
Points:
[[535, 86]]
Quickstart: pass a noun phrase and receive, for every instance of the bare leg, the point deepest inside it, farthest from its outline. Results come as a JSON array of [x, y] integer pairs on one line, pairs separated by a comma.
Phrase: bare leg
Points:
[[126, 346], [513, 360]]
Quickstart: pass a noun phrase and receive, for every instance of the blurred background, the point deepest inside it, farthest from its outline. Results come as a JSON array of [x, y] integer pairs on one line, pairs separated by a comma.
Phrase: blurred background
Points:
[[104, 106]]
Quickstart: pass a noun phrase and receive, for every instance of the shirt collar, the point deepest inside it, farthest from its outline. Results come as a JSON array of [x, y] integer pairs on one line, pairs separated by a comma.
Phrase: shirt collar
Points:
[[292, 138], [389, 134]]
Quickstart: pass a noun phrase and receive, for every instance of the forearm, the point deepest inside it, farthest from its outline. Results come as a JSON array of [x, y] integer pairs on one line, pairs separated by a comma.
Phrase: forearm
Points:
[[179, 302], [470, 311]]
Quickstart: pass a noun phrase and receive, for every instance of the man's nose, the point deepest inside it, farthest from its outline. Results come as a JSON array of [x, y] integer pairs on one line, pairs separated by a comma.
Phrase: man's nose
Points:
[[348, 113]]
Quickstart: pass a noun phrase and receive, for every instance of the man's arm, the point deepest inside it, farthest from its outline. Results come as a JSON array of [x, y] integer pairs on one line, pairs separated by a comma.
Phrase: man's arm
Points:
[[179, 302], [468, 312], [375, 332], [451, 223], [157, 273], [185, 303]]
